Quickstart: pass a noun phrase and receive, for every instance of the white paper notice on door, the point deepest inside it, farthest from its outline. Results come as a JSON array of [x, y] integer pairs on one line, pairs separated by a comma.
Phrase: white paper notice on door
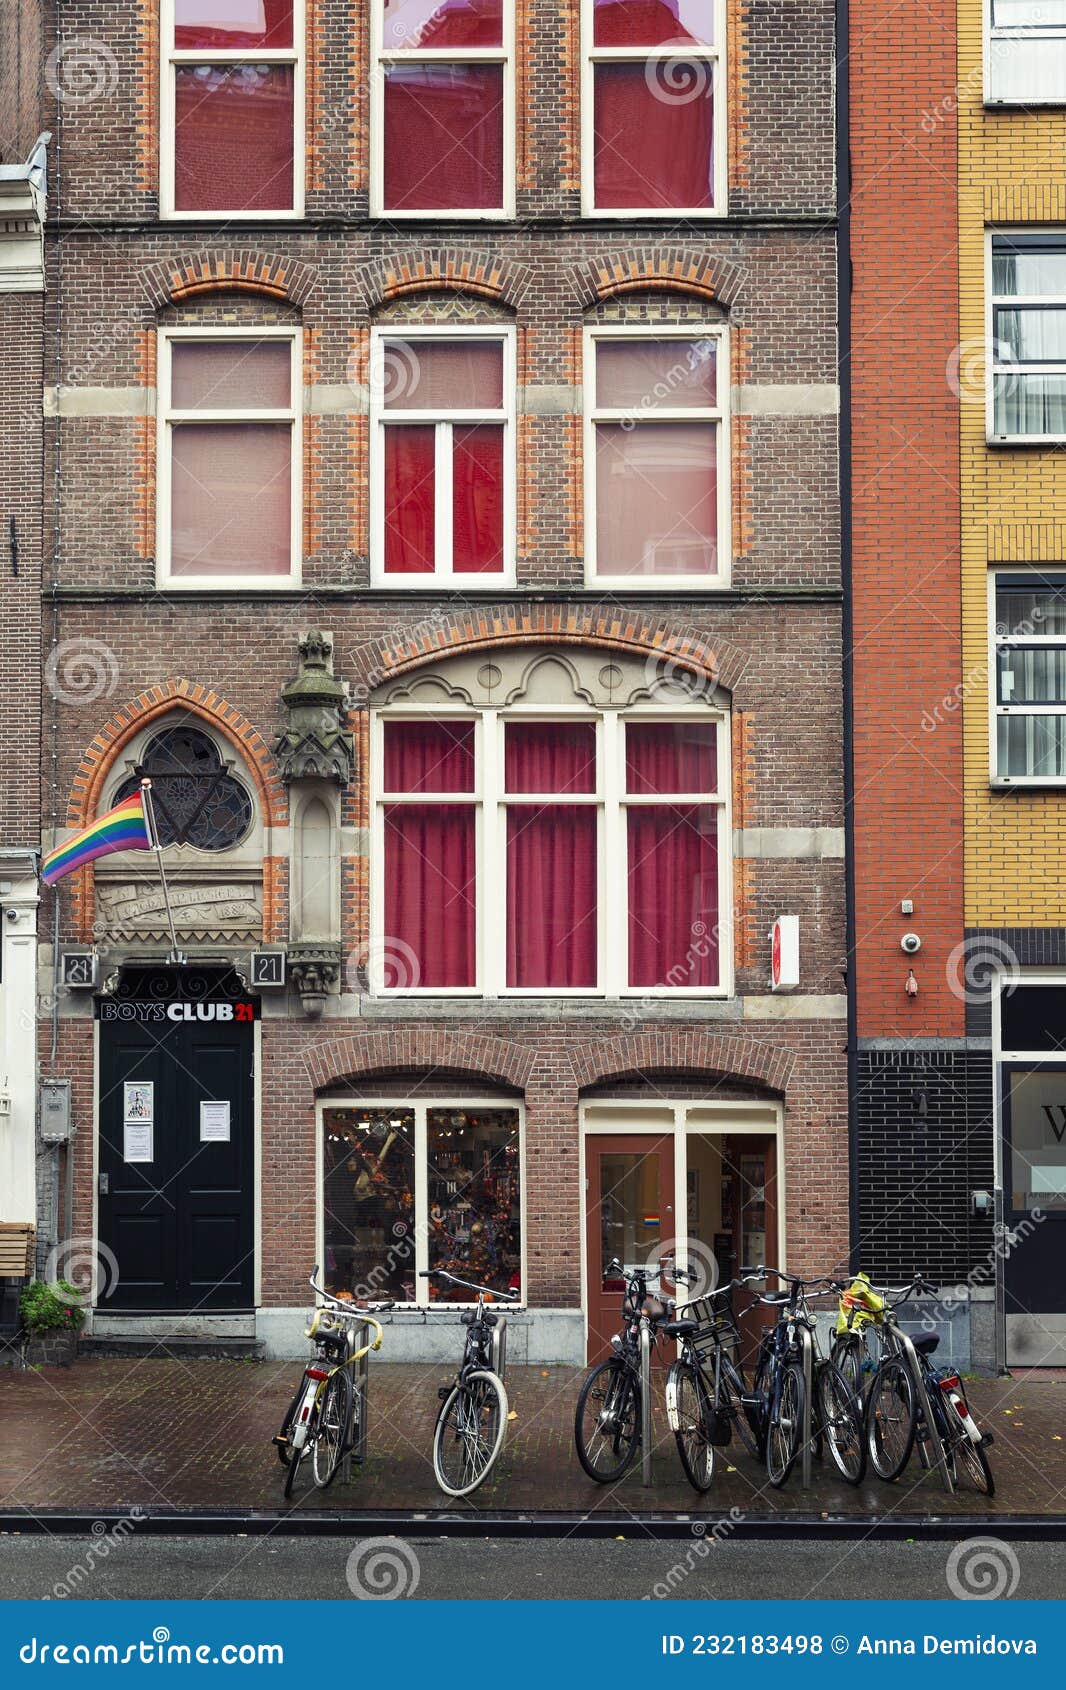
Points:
[[214, 1123], [138, 1117]]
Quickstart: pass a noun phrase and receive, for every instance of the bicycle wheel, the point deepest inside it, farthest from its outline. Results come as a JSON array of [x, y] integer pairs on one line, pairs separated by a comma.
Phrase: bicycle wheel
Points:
[[967, 1455], [784, 1434], [692, 1411], [334, 1411], [840, 1419], [891, 1419], [469, 1433], [607, 1421], [732, 1390], [847, 1355], [283, 1443]]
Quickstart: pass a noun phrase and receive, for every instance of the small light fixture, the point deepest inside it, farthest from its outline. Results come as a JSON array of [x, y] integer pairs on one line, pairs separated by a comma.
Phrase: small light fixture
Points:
[[911, 987]]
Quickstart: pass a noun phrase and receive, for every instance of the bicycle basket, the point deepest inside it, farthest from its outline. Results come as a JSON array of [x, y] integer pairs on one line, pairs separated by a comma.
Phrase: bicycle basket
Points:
[[715, 1318]]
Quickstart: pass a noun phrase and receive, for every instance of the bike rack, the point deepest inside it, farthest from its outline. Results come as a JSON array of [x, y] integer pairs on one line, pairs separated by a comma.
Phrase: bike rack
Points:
[[808, 1387], [645, 1401], [360, 1382], [936, 1447]]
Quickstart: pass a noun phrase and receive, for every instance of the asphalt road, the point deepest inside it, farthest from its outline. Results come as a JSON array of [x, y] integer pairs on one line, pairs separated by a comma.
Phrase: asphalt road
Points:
[[319, 1568]]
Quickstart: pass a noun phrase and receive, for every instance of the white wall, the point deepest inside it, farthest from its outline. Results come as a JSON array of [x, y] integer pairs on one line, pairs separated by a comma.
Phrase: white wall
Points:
[[18, 1039]]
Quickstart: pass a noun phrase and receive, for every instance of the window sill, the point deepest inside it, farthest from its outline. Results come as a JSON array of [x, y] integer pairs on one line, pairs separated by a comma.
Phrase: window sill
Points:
[[1025, 439], [1007, 783]]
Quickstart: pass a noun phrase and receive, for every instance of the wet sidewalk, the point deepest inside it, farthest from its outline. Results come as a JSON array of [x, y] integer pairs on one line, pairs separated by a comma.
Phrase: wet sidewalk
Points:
[[114, 1433]]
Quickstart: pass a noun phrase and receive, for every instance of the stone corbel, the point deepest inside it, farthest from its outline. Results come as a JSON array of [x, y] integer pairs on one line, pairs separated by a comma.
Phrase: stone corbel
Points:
[[314, 971]]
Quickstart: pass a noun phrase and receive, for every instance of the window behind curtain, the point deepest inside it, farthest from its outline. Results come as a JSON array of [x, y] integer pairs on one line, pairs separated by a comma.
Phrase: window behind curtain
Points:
[[1030, 643], [552, 854], [1027, 52], [1028, 336], [654, 71], [232, 79], [655, 441], [430, 853], [230, 420], [672, 854], [443, 80]]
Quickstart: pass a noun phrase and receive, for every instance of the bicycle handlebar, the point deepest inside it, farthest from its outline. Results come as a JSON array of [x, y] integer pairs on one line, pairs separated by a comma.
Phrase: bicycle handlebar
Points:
[[352, 1311], [468, 1284]]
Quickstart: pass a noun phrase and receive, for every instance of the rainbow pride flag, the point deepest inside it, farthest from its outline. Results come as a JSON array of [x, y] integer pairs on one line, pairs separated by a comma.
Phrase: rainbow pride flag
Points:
[[125, 828]]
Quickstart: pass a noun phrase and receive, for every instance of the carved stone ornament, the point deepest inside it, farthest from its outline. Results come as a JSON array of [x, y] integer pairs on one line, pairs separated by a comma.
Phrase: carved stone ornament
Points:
[[314, 971], [316, 745]]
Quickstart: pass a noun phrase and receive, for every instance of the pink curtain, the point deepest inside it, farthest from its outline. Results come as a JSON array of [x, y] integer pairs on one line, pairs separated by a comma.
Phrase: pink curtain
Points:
[[243, 23], [430, 893], [410, 509], [665, 757], [477, 497], [647, 374], [443, 137], [652, 23], [550, 756], [429, 757], [223, 375], [230, 505], [233, 140], [673, 895], [443, 375], [652, 148], [454, 23], [551, 895], [656, 499]]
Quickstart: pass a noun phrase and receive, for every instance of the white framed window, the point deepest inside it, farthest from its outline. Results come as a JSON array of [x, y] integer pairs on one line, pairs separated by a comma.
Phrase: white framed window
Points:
[[1027, 334], [1028, 620], [442, 456], [533, 852], [653, 104], [409, 1186], [231, 108], [442, 109], [228, 457], [657, 456], [1025, 52]]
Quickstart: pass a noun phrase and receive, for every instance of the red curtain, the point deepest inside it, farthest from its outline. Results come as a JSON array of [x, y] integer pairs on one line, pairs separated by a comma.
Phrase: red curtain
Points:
[[197, 24], [652, 23], [430, 892], [550, 757], [233, 137], [443, 137], [673, 895], [477, 497], [551, 895], [653, 148], [665, 757], [429, 757], [410, 515]]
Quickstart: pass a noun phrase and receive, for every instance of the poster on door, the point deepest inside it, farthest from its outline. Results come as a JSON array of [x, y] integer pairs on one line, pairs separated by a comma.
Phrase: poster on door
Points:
[[138, 1121], [214, 1123]]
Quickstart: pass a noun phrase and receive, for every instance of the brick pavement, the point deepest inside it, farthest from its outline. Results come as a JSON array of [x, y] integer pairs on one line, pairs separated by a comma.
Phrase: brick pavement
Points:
[[115, 1432]]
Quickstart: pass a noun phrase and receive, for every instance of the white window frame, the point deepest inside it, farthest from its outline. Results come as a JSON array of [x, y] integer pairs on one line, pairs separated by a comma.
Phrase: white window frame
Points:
[[993, 36], [993, 366], [718, 414], [381, 56], [998, 642], [166, 416], [171, 56], [443, 575], [421, 1107], [716, 56], [490, 868]]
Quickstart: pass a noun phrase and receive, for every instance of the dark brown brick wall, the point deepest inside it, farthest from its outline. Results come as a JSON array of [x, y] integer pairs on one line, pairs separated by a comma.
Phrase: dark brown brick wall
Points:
[[21, 354]]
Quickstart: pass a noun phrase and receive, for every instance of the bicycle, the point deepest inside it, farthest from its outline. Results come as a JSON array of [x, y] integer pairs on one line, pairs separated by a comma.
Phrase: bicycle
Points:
[[703, 1411], [327, 1417], [611, 1398], [896, 1419], [472, 1421], [861, 1312], [789, 1356]]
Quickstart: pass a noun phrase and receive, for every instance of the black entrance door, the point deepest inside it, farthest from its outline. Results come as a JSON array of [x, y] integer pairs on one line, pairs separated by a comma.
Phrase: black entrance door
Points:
[[176, 1151]]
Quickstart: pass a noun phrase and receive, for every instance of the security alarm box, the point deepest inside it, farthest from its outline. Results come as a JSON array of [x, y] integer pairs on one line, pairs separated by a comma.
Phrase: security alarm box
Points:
[[55, 1111], [80, 971], [268, 970], [785, 954]]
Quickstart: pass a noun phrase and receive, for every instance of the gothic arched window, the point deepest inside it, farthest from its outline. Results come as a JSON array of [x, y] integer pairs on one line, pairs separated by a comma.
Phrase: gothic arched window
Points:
[[196, 800]]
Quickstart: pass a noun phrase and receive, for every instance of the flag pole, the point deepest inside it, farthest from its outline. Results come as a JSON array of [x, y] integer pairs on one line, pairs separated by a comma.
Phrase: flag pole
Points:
[[153, 831]]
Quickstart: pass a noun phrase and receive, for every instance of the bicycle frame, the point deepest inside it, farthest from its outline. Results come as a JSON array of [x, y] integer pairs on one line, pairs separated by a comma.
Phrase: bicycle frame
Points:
[[319, 1372]]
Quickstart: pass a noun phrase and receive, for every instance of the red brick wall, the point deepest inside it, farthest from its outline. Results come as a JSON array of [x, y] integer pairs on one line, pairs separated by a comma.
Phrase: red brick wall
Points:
[[904, 327], [21, 353]]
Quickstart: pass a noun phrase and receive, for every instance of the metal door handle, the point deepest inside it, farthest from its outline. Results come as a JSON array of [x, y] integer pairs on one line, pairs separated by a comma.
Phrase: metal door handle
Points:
[[103, 1184]]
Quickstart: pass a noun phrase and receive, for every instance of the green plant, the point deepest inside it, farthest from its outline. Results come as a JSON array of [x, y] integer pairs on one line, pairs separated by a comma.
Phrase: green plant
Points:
[[51, 1308]]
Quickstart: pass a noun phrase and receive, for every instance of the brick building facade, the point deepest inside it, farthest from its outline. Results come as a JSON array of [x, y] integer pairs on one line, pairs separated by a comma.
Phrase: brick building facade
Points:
[[611, 1055]]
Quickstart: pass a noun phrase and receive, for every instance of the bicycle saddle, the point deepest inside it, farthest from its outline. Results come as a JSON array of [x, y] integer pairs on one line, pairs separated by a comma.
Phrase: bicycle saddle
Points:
[[927, 1343], [679, 1328], [470, 1318]]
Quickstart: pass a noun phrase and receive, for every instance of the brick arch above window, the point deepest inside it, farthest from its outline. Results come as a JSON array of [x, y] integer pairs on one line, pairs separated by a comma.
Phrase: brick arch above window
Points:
[[470, 270], [641, 1054], [206, 271], [174, 698], [681, 651], [362, 1055], [661, 269]]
